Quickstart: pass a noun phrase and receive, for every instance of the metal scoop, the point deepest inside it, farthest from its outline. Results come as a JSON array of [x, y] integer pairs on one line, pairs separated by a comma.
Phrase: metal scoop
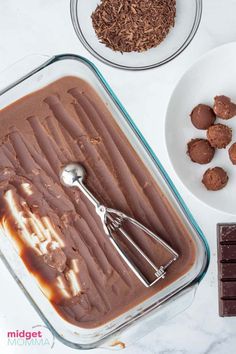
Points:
[[73, 176]]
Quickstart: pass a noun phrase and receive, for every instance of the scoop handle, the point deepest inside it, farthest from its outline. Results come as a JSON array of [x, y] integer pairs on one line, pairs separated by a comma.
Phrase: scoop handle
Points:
[[78, 183]]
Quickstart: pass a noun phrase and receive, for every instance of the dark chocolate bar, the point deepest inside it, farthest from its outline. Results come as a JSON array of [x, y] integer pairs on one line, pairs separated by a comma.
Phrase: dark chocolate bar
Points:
[[227, 269]]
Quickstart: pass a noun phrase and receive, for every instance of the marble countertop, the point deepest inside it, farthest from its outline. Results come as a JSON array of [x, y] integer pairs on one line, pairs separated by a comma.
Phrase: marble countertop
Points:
[[44, 27]]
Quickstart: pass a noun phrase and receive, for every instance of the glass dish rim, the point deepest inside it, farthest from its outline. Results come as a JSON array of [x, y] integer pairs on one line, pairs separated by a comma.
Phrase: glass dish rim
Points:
[[87, 46], [158, 165]]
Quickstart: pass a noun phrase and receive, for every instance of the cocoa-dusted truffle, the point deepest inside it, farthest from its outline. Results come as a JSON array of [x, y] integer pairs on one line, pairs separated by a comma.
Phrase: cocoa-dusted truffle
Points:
[[219, 135], [203, 116], [200, 151], [224, 108], [232, 153], [215, 179]]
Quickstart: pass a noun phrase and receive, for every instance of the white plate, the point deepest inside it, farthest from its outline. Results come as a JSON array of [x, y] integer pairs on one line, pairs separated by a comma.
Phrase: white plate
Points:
[[213, 74]]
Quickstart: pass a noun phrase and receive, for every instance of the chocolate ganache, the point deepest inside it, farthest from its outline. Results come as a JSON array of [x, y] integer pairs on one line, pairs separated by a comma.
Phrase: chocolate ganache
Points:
[[56, 230]]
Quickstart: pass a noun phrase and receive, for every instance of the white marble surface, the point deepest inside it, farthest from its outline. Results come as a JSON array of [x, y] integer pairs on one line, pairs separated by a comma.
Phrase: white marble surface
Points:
[[42, 26]]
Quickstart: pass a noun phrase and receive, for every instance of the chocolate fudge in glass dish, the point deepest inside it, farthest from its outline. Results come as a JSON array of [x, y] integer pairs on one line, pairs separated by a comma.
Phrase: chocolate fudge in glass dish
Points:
[[55, 229]]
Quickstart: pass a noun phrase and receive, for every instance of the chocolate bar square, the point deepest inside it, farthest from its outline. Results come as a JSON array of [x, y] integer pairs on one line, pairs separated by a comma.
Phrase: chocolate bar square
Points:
[[227, 269]]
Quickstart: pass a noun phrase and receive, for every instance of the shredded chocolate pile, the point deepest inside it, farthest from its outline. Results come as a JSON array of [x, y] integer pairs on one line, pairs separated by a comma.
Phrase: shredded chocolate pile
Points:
[[133, 25]]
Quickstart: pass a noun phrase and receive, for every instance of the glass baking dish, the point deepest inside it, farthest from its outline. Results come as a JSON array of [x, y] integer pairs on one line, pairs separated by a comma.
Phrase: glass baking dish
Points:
[[31, 74]]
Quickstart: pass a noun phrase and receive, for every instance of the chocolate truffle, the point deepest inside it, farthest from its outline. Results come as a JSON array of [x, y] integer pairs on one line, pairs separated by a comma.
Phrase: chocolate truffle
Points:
[[203, 116], [200, 151], [232, 153], [215, 179], [219, 136], [224, 108]]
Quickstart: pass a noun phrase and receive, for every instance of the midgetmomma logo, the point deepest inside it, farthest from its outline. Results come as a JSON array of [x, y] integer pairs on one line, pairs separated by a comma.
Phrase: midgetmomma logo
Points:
[[38, 336]]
